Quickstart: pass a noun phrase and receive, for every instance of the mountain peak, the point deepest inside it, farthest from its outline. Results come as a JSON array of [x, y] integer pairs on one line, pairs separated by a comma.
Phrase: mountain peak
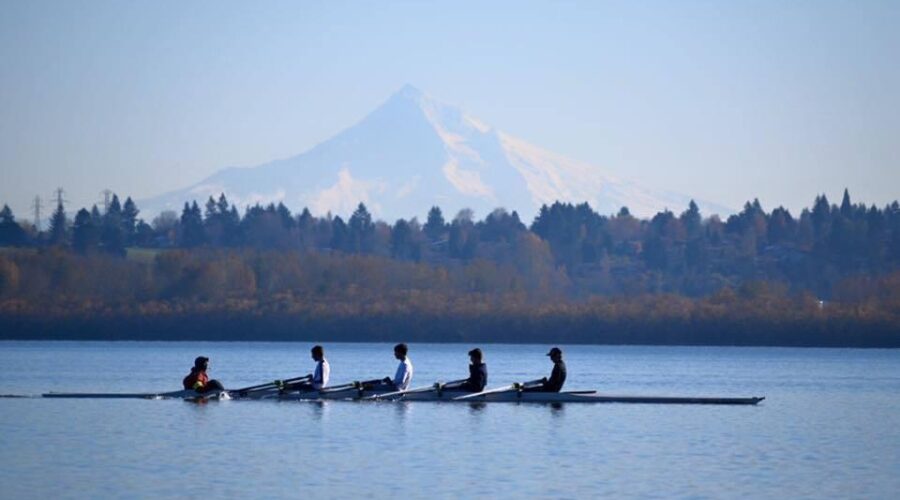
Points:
[[410, 95], [414, 152], [409, 91]]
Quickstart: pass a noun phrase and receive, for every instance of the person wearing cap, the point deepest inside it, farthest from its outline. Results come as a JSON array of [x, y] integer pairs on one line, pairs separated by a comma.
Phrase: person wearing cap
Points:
[[557, 376], [198, 380], [404, 373], [477, 374]]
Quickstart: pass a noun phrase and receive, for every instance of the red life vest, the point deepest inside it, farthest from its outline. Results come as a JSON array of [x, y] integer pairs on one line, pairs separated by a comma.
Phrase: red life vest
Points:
[[195, 380]]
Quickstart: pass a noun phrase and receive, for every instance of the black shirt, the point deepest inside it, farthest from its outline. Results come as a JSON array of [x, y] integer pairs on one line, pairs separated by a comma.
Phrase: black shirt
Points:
[[557, 378], [477, 378]]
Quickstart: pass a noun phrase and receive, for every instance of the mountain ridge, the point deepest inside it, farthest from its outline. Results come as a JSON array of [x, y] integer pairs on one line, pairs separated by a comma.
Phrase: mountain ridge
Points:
[[413, 152]]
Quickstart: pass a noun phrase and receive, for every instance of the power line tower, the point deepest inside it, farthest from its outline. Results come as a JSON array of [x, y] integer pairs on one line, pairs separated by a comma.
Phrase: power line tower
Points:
[[59, 193], [36, 207], [107, 199]]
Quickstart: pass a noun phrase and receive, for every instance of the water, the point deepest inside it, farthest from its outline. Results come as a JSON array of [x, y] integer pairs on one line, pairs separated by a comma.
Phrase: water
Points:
[[830, 426]]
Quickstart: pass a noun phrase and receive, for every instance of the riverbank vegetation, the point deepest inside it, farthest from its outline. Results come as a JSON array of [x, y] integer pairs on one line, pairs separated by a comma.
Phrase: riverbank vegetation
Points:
[[829, 277]]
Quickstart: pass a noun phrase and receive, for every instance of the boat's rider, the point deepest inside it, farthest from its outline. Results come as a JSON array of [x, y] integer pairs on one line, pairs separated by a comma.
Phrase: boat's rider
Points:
[[557, 376], [322, 371], [319, 378], [404, 371], [477, 374], [198, 380]]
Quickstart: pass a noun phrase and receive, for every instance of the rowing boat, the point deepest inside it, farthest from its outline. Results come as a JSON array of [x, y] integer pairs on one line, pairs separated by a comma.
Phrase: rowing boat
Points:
[[358, 392], [513, 396], [184, 394]]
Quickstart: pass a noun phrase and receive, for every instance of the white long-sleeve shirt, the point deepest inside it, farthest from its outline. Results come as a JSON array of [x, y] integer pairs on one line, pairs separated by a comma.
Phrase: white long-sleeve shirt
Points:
[[321, 375], [404, 374]]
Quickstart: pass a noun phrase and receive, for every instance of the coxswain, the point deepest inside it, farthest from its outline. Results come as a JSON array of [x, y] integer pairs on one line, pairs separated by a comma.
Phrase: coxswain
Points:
[[404, 373], [557, 376], [198, 380], [477, 374]]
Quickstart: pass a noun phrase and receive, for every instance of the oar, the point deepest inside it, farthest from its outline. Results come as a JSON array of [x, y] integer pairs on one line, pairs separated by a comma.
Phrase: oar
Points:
[[533, 383], [343, 387], [424, 388], [511, 387], [374, 381], [451, 383], [270, 385], [437, 386]]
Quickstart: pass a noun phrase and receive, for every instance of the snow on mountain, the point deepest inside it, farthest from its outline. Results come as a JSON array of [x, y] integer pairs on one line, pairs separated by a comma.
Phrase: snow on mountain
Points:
[[414, 152]]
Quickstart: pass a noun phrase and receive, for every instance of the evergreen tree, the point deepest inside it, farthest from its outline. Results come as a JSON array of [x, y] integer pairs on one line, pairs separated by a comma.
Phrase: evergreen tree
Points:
[[846, 206], [212, 210], [85, 234], [306, 226], [96, 217], [339, 236], [213, 223], [402, 244], [821, 217], [500, 226], [222, 204], [284, 216], [692, 221], [11, 233], [360, 231], [192, 233], [6, 215], [112, 236], [58, 226], [435, 227], [781, 226], [232, 227], [129, 220]]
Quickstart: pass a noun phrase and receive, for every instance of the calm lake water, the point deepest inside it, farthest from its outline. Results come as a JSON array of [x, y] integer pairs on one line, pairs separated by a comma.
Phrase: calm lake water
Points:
[[830, 426]]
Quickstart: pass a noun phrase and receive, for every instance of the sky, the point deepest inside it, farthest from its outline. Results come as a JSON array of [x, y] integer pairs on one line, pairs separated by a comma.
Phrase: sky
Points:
[[725, 101]]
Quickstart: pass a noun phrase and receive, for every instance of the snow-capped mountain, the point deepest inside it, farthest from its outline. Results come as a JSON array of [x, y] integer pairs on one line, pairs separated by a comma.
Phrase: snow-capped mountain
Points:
[[414, 152]]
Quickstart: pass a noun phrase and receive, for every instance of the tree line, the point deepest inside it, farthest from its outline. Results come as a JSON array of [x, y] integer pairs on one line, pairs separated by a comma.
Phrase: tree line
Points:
[[570, 247], [828, 277]]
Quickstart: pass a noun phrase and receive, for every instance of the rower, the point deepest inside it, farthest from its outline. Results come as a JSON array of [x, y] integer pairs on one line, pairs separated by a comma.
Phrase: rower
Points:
[[198, 380], [557, 376], [323, 370], [319, 378], [404, 371], [477, 375]]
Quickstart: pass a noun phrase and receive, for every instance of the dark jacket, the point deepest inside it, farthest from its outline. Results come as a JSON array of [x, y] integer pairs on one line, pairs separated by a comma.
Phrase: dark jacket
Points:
[[557, 378], [477, 378]]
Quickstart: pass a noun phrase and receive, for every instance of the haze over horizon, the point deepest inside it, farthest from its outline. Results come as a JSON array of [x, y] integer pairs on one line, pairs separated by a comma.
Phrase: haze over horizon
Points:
[[720, 102]]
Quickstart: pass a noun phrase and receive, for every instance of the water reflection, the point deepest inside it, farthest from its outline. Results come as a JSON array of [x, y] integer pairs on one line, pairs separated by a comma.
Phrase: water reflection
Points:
[[402, 409], [320, 410], [476, 408]]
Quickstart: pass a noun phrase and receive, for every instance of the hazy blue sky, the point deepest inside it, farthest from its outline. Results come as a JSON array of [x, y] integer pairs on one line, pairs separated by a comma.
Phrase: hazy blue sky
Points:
[[722, 100]]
